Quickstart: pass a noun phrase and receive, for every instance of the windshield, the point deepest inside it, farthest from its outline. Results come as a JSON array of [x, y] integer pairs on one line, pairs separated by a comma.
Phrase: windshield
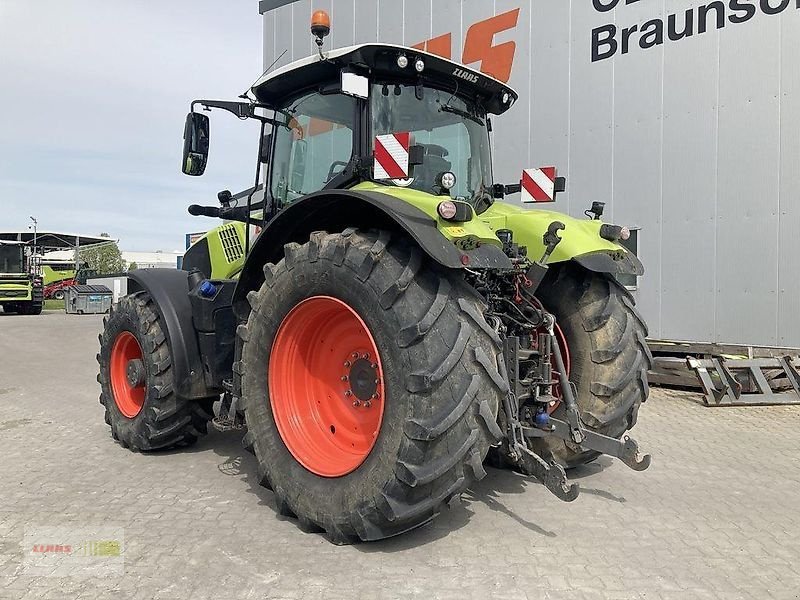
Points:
[[453, 133], [11, 259]]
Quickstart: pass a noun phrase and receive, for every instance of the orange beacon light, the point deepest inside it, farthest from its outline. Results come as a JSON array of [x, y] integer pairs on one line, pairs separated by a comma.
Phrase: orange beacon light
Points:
[[320, 24]]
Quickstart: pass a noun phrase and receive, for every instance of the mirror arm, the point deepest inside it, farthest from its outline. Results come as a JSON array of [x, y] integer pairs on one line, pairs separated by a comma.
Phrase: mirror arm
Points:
[[241, 110]]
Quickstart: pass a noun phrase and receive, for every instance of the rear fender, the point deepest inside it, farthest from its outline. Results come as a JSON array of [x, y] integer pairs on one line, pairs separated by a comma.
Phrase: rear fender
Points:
[[169, 290], [337, 210]]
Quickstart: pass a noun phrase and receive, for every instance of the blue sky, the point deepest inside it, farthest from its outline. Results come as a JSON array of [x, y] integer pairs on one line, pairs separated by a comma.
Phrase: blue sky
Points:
[[92, 103]]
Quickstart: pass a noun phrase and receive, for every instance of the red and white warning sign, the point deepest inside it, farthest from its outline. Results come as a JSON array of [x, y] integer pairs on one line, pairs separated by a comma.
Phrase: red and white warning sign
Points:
[[539, 185], [392, 156]]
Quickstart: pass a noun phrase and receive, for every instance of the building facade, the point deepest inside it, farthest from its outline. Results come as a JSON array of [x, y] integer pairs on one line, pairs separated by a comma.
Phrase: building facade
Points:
[[683, 116]]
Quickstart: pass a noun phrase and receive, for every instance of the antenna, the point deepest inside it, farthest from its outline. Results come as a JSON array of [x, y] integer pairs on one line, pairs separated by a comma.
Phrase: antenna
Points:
[[245, 95]]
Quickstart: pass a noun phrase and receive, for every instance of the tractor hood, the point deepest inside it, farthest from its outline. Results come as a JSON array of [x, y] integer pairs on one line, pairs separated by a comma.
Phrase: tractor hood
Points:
[[581, 239], [380, 61]]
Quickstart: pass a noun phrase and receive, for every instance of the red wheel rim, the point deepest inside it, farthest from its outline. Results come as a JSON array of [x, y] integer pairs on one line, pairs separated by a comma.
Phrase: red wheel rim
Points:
[[326, 386], [128, 394]]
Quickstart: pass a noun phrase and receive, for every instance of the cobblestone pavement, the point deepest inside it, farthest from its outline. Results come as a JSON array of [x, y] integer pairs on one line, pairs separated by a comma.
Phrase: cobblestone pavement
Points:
[[716, 516]]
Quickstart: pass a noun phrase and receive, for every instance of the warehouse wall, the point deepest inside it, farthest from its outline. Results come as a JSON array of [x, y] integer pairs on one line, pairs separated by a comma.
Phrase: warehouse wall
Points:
[[696, 141]]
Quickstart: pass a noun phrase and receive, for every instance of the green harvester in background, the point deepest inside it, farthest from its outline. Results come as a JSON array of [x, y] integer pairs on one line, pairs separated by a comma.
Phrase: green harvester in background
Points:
[[21, 284]]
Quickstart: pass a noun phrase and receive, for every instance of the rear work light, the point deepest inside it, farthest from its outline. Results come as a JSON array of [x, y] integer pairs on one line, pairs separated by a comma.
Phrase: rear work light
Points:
[[614, 233]]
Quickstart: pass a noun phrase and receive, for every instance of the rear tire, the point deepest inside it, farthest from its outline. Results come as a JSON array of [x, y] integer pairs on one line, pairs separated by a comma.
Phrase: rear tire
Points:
[[608, 354], [30, 308], [58, 295], [150, 416], [439, 361]]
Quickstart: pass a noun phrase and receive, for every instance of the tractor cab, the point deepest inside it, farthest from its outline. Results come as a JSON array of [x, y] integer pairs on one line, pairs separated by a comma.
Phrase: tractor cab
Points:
[[12, 258], [345, 110], [379, 113]]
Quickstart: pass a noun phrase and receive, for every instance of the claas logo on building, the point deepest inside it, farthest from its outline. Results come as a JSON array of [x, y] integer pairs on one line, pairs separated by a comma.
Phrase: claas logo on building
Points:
[[479, 46]]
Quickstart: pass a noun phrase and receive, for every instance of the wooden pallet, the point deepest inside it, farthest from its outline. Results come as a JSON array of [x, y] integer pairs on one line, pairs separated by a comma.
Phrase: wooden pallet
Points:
[[722, 384], [678, 348], [749, 371]]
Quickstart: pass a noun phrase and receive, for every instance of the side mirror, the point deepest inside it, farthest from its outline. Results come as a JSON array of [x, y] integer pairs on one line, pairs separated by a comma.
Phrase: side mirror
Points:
[[195, 144]]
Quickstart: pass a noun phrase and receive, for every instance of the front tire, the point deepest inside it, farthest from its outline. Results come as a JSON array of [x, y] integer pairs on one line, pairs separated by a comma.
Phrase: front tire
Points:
[[36, 304], [437, 365], [10, 308], [136, 381], [609, 357]]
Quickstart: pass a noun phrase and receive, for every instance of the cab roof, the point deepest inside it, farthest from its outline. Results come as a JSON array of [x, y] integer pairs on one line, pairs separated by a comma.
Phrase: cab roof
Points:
[[379, 61]]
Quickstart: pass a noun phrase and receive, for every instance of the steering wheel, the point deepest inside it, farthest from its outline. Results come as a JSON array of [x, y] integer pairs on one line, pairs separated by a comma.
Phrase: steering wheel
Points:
[[331, 171]]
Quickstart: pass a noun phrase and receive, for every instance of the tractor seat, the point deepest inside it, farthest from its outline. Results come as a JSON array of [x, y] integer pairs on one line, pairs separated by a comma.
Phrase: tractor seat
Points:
[[434, 164]]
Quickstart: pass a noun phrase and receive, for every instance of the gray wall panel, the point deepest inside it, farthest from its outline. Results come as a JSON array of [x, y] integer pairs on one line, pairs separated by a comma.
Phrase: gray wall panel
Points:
[[591, 123], [637, 148], [302, 43], [511, 131], [687, 245], [788, 322], [747, 205], [268, 24], [390, 21], [284, 35], [453, 23], [343, 14], [366, 24], [417, 26], [548, 100]]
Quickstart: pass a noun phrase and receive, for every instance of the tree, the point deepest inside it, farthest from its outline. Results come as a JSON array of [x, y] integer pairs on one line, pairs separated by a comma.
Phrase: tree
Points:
[[103, 258], [133, 266]]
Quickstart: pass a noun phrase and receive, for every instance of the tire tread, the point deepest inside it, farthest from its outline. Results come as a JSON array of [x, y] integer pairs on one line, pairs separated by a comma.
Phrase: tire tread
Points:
[[166, 420], [453, 422]]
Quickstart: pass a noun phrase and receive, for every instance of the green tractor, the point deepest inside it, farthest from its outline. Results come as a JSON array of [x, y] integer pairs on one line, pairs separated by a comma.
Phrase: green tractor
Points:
[[380, 321], [21, 286]]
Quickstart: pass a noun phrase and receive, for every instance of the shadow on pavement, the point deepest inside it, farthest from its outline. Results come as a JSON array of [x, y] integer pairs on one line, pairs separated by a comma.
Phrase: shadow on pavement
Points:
[[490, 491], [498, 483]]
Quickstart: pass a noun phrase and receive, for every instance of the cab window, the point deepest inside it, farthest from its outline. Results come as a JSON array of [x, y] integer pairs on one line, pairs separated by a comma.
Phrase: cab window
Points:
[[452, 133], [313, 144]]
